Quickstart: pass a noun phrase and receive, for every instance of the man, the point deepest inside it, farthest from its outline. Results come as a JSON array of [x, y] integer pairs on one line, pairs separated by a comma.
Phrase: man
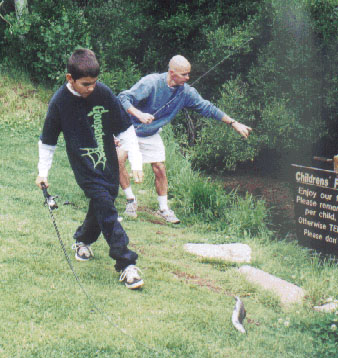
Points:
[[89, 115], [152, 103]]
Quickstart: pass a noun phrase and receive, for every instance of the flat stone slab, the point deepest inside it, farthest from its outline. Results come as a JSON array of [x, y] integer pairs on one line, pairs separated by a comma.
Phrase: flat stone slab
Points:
[[230, 252], [328, 307], [286, 291]]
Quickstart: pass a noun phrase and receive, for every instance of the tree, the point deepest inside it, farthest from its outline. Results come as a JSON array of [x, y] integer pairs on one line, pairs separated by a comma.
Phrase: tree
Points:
[[21, 7]]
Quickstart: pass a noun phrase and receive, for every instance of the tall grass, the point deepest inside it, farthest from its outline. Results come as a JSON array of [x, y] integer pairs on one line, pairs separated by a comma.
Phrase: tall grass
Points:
[[22, 107], [206, 203]]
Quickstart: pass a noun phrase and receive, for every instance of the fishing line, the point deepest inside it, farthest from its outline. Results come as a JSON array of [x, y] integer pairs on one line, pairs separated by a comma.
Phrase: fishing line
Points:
[[198, 79], [50, 202]]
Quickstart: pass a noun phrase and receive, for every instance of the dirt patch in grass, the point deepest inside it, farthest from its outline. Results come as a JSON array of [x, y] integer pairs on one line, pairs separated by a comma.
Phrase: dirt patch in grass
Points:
[[199, 281]]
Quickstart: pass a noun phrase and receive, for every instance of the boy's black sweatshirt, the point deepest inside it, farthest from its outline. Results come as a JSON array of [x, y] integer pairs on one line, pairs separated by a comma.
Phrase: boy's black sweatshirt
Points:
[[88, 126]]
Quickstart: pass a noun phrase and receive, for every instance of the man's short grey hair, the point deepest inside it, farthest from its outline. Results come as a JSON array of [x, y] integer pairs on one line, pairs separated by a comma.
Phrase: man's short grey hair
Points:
[[178, 61]]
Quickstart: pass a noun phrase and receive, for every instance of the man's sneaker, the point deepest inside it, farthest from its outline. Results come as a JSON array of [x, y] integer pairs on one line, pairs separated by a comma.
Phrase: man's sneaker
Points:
[[131, 208], [131, 278], [169, 216], [83, 252]]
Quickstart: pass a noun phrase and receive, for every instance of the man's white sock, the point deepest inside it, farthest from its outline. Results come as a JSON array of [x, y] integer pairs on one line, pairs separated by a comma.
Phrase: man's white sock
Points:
[[163, 202], [129, 193]]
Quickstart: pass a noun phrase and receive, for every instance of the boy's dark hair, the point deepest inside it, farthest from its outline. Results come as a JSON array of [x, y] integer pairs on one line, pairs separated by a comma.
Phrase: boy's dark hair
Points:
[[83, 63]]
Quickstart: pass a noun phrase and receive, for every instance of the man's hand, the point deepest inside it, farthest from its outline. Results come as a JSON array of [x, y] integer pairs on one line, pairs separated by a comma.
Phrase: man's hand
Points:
[[39, 180], [242, 129], [145, 118], [138, 176]]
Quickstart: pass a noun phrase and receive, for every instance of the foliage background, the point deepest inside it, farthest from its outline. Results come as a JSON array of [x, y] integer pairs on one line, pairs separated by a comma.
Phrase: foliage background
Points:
[[277, 67]]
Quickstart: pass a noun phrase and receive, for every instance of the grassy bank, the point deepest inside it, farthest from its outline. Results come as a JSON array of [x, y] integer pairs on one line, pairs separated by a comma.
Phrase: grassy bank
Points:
[[185, 307]]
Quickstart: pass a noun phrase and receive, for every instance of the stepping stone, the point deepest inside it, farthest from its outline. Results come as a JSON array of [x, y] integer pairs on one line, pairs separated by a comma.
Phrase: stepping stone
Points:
[[229, 252], [286, 291], [328, 307]]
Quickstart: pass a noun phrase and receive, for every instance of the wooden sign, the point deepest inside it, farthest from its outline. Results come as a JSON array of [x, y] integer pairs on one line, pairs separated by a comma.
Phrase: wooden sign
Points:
[[316, 208]]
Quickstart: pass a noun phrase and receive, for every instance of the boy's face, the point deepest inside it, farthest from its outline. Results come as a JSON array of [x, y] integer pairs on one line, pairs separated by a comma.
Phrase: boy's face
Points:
[[84, 86]]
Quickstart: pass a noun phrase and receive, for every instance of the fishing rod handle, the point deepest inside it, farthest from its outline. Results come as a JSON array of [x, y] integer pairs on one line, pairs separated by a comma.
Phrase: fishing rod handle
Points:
[[44, 190]]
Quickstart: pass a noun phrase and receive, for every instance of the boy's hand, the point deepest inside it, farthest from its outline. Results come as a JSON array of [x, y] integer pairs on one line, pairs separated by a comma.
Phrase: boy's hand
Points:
[[39, 180], [138, 176], [117, 142]]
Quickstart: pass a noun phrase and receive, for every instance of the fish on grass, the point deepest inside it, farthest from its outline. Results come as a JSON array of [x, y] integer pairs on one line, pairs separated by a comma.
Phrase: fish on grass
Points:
[[238, 315]]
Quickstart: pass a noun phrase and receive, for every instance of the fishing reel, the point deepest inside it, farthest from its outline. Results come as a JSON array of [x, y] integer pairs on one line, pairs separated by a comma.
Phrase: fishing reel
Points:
[[50, 199]]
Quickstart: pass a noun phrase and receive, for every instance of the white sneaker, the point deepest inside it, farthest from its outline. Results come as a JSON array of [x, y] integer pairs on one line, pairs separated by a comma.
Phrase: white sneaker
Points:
[[131, 208], [169, 216], [131, 278], [83, 252]]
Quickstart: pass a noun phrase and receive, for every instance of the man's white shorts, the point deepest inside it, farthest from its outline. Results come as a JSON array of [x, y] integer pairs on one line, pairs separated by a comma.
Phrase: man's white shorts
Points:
[[152, 148]]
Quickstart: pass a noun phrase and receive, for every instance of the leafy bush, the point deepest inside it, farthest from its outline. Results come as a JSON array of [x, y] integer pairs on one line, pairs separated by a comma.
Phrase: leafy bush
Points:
[[116, 30], [280, 129], [274, 63], [119, 79], [218, 147], [44, 38], [287, 82]]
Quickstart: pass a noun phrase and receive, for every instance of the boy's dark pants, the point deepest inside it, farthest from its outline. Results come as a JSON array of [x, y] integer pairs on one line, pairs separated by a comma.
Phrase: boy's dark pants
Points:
[[102, 217]]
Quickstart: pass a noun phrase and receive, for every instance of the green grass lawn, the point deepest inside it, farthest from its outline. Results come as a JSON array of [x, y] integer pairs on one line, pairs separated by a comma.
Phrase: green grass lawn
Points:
[[184, 309]]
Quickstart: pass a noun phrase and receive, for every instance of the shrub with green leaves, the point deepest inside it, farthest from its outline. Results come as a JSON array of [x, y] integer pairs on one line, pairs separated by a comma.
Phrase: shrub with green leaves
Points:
[[44, 37], [273, 62], [115, 28], [219, 148], [287, 83], [119, 79]]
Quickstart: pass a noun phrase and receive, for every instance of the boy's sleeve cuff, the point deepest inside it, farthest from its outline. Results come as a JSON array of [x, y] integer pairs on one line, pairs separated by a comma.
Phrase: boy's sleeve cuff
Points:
[[43, 173]]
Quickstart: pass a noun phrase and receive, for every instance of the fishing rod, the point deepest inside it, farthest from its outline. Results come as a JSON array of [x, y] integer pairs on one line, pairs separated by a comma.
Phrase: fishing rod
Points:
[[199, 78], [52, 205]]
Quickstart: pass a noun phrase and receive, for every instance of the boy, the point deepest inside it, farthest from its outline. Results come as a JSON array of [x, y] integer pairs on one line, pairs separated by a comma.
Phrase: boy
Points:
[[89, 115]]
